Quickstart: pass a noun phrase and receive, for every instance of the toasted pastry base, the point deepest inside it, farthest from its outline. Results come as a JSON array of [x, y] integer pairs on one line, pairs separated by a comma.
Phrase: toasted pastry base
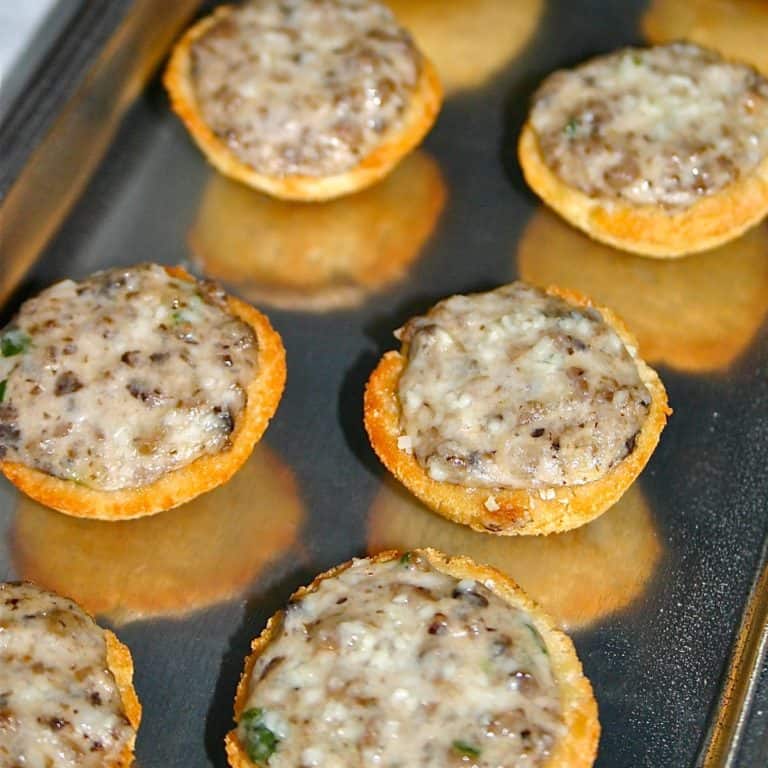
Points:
[[417, 120], [317, 258], [648, 229], [520, 511], [576, 749], [120, 665], [201, 475]]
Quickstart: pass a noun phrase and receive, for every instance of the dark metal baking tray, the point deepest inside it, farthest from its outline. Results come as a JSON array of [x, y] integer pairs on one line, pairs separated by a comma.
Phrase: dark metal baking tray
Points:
[[666, 595]]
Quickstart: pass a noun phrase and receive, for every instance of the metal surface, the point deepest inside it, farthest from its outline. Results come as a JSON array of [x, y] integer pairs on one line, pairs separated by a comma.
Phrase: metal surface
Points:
[[747, 658], [664, 594], [56, 132]]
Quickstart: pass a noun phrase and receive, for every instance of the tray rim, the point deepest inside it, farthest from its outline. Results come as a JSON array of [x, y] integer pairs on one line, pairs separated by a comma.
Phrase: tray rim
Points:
[[77, 62]]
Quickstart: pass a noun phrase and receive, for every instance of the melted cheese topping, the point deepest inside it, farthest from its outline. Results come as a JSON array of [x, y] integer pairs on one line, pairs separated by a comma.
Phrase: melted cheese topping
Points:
[[59, 703], [116, 380], [303, 87], [662, 125], [518, 389], [397, 664]]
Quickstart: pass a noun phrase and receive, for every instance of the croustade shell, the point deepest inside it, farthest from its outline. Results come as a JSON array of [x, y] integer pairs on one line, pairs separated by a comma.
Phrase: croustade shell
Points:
[[510, 511], [421, 112], [575, 748], [185, 483]]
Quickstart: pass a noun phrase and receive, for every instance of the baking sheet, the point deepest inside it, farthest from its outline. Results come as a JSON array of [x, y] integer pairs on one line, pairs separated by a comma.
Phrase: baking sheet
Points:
[[655, 593]]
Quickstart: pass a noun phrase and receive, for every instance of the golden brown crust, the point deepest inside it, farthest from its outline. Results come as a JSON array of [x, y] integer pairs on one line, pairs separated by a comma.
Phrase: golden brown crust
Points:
[[418, 119], [317, 257], [647, 229], [120, 665], [694, 315], [201, 475], [577, 749], [520, 511]]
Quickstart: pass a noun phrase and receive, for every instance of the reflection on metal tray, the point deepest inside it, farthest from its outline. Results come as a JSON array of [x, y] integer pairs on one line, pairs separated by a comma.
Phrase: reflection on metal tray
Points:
[[320, 257], [666, 594]]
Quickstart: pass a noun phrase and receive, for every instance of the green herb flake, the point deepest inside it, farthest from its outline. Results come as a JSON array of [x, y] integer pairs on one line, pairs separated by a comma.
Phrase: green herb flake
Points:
[[637, 59], [538, 639], [406, 557], [465, 749], [14, 342], [183, 316], [571, 127], [260, 742], [2, 389]]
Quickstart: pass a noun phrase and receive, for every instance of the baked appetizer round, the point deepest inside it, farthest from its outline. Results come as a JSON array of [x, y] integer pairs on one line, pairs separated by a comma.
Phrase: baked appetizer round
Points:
[[197, 555], [322, 257], [417, 660], [516, 411], [304, 101], [132, 391], [661, 151], [66, 693]]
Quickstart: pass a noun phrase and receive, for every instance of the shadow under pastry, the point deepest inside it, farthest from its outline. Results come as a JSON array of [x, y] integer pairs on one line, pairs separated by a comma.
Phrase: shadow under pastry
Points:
[[317, 257], [738, 29], [697, 314], [578, 577], [199, 554], [469, 41]]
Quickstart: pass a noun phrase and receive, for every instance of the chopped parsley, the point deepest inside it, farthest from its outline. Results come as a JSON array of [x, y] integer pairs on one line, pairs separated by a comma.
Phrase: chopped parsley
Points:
[[571, 127], [14, 342], [465, 749], [2, 389], [538, 638], [637, 59], [405, 558], [260, 742]]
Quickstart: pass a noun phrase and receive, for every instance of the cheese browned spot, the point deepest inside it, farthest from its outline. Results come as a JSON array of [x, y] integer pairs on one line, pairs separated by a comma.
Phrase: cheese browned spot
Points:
[[59, 703], [662, 126], [114, 381], [396, 663], [516, 388], [302, 87]]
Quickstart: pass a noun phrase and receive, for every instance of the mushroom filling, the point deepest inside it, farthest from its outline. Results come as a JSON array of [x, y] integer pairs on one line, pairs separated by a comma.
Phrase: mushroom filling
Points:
[[518, 389], [59, 703], [661, 126], [396, 663], [116, 380], [304, 87]]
